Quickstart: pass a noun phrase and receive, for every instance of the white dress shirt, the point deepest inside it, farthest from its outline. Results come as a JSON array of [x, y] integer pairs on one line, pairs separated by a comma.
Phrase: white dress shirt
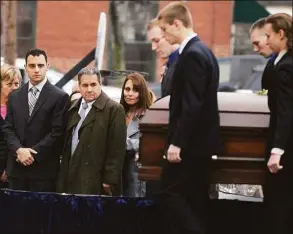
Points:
[[39, 86], [280, 55], [88, 108], [86, 111], [185, 41]]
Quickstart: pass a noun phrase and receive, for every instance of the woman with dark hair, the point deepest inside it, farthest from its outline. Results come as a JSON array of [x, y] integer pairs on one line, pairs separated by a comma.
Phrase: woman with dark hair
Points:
[[136, 98], [10, 80], [278, 189]]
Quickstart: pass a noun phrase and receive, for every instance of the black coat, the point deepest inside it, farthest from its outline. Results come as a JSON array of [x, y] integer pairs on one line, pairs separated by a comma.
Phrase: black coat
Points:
[[280, 102], [278, 189], [268, 74], [194, 117], [194, 127], [3, 148], [167, 80], [43, 131]]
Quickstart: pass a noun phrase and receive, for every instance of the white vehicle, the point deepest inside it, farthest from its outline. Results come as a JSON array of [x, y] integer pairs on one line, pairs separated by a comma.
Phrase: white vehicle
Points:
[[54, 76]]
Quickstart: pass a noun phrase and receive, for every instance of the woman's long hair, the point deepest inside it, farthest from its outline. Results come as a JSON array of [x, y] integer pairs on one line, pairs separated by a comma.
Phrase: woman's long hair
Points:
[[145, 98], [282, 21]]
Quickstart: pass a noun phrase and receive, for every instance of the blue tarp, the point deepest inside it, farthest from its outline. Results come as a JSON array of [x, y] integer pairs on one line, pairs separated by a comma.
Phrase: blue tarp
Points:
[[52, 213]]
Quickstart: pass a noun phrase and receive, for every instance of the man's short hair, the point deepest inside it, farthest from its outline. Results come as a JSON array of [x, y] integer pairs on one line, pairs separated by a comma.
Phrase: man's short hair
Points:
[[259, 24], [89, 71], [36, 52], [153, 23], [176, 10]]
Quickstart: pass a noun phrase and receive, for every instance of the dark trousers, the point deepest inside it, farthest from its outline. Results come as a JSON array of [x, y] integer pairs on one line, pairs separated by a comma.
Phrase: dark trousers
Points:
[[278, 201], [184, 195], [3, 185], [33, 185]]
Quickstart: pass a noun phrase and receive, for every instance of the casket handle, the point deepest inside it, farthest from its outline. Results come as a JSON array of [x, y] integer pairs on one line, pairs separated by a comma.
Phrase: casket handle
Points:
[[242, 159]]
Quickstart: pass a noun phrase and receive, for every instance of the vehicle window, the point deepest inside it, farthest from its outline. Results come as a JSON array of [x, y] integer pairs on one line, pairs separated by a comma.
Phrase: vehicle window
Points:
[[225, 71]]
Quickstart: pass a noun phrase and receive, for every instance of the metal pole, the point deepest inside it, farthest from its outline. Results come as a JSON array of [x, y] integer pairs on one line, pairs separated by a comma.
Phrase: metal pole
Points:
[[101, 37]]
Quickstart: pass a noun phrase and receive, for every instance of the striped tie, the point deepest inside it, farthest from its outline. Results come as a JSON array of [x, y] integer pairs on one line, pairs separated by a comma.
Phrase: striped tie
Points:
[[32, 99], [75, 139]]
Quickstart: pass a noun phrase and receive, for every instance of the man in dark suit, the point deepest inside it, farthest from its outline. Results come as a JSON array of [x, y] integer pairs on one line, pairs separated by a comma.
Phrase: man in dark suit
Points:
[[193, 131], [258, 39], [165, 51], [34, 128], [278, 189]]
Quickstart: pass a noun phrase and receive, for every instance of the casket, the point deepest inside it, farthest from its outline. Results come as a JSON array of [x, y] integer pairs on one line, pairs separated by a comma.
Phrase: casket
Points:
[[244, 121]]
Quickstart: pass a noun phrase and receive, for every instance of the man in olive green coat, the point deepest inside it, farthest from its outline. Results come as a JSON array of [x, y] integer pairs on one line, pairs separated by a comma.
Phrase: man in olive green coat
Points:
[[94, 149]]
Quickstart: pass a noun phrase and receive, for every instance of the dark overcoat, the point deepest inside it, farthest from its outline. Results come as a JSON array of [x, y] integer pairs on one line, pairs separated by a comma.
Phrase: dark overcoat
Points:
[[99, 155]]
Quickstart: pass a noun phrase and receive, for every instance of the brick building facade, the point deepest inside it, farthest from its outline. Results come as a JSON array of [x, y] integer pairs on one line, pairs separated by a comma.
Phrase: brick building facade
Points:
[[67, 29]]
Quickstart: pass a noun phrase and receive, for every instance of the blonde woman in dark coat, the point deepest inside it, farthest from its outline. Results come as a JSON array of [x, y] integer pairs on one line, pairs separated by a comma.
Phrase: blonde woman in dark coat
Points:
[[10, 80]]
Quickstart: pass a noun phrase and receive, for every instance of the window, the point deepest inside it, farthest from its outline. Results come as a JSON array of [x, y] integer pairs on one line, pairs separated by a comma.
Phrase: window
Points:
[[25, 26], [133, 17]]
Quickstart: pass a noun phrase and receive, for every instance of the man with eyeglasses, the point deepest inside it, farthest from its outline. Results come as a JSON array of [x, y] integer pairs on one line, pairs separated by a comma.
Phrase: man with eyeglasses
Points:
[[34, 128]]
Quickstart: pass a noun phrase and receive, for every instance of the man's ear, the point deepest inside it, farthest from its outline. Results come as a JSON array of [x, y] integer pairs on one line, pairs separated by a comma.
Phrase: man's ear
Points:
[[282, 34], [177, 22]]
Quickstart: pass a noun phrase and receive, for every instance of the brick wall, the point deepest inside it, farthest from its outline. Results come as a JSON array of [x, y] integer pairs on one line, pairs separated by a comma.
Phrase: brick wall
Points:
[[212, 21], [67, 30]]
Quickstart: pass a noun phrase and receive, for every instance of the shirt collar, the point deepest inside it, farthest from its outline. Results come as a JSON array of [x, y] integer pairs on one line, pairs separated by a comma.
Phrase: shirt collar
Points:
[[39, 86], [185, 41], [88, 103], [280, 55]]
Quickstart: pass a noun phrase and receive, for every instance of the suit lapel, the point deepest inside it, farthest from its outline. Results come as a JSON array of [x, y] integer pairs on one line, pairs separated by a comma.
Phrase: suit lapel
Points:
[[74, 117], [98, 105], [133, 127], [41, 99], [189, 43], [89, 118], [73, 120], [283, 57]]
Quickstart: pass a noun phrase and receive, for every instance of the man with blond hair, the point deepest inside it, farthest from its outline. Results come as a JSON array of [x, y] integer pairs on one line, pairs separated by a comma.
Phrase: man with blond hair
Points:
[[165, 51], [193, 131]]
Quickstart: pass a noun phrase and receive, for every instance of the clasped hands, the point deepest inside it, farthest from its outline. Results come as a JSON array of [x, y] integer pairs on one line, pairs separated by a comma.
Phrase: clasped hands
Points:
[[24, 156]]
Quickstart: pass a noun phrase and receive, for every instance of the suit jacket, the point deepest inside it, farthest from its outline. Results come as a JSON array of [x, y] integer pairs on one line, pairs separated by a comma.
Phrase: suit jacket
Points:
[[166, 84], [42, 131], [194, 117], [280, 102], [268, 74]]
